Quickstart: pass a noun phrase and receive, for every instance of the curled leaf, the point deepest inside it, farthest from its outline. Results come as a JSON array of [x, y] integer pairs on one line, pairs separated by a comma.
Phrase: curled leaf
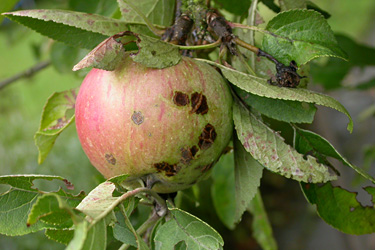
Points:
[[269, 149], [152, 52]]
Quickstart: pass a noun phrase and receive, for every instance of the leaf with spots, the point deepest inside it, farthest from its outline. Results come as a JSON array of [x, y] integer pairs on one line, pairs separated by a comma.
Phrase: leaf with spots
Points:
[[56, 117], [340, 208], [77, 29], [107, 55], [98, 200], [18, 201], [270, 150], [307, 141], [259, 86], [154, 53], [189, 229], [302, 35]]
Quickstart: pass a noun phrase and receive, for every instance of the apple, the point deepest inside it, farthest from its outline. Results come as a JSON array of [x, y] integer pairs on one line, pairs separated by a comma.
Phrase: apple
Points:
[[167, 125]]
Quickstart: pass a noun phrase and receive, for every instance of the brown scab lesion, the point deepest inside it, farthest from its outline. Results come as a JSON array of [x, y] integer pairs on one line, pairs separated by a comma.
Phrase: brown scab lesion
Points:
[[110, 159], [187, 154], [180, 99], [138, 117], [168, 169], [207, 138], [199, 103]]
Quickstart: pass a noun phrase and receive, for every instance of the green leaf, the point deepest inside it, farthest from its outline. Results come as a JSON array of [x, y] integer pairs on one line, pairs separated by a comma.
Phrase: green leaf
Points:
[[302, 35], [63, 236], [156, 11], [140, 244], [96, 238], [281, 110], [6, 5], [262, 230], [77, 29], [237, 7], [25, 182], [312, 6], [271, 5], [223, 190], [55, 118], [306, 141], [102, 7], [340, 208], [88, 237], [63, 57], [80, 235], [259, 86], [51, 209], [17, 203], [119, 179], [332, 73], [122, 233], [185, 227], [154, 53], [248, 173], [270, 150], [292, 4]]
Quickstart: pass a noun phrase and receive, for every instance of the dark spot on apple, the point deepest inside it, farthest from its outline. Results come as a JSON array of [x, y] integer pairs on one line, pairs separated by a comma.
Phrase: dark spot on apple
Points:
[[207, 167], [168, 169], [153, 52], [137, 117], [187, 154], [180, 99], [110, 159], [194, 150], [207, 138], [199, 103]]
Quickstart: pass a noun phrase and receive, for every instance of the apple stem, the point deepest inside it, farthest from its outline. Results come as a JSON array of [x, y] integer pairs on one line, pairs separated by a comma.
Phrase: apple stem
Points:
[[203, 46]]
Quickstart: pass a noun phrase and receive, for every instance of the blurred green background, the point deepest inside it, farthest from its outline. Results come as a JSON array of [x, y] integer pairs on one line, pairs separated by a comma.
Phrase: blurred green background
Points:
[[21, 104]]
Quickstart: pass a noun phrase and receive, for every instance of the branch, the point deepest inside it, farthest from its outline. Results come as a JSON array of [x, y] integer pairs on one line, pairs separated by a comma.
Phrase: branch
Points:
[[25, 74]]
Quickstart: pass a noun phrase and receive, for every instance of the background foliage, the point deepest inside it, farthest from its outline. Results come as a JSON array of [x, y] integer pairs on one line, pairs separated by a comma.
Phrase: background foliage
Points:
[[294, 222]]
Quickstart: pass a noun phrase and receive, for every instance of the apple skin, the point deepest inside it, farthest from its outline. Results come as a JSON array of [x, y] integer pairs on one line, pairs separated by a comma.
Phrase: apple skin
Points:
[[166, 125]]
